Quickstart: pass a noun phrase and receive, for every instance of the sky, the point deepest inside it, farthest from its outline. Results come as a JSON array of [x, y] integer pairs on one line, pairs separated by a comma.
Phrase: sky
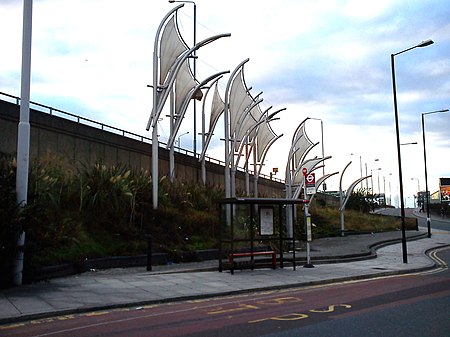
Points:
[[326, 60]]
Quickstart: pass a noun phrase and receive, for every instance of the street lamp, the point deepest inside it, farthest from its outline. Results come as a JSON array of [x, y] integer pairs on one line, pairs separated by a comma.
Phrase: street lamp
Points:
[[425, 162], [194, 55], [367, 173], [371, 179], [418, 183], [418, 190], [360, 168], [23, 135], [400, 178], [179, 138]]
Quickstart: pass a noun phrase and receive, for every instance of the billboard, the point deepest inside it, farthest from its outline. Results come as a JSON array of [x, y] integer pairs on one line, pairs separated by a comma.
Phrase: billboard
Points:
[[444, 189]]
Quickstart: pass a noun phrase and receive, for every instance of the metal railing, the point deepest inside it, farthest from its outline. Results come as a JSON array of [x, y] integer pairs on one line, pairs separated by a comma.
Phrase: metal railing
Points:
[[90, 122]]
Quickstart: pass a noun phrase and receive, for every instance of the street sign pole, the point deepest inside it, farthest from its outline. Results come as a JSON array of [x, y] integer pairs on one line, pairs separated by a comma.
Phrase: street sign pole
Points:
[[309, 180]]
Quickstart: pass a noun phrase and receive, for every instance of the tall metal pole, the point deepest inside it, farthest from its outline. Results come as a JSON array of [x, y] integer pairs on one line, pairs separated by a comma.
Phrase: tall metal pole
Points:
[[23, 139], [397, 130], [426, 178], [399, 158], [425, 164], [195, 76], [172, 127], [324, 186], [378, 178]]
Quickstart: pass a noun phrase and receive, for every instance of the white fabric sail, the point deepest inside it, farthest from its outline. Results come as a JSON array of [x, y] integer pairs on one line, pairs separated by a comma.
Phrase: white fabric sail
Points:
[[239, 100], [217, 108], [246, 128], [301, 145], [184, 84], [266, 136], [171, 46]]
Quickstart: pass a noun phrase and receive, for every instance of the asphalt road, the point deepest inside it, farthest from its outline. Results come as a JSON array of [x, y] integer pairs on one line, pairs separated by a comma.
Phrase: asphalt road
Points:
[[409, 305]]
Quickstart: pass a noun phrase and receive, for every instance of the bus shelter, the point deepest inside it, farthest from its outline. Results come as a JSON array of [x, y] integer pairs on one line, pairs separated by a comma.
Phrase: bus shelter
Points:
[[253, 233]]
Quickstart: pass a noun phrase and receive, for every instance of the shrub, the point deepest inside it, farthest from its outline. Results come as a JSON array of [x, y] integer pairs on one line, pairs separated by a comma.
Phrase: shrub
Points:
[[96, 211], [9, 218]]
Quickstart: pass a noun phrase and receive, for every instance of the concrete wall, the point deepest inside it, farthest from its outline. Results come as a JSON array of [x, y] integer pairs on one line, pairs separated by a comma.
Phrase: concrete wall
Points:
[[81, 144]]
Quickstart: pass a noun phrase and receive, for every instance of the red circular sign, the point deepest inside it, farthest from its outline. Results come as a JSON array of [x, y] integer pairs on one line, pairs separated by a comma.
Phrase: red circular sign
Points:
[[311, 178], [305, 171]]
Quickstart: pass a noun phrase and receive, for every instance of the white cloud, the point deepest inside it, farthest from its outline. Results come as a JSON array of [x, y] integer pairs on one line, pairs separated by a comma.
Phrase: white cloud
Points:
[[362, 10]]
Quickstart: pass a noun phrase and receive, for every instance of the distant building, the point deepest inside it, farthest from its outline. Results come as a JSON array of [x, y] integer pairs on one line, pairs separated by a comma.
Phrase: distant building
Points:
[[444, 189]]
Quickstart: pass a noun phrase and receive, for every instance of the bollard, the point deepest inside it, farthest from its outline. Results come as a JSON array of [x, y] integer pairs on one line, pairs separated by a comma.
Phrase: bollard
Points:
[[149, 252]]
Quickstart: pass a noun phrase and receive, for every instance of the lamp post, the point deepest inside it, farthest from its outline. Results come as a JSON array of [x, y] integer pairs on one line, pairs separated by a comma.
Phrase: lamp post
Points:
[[418, 183], [371, 178], [179, 138], [23, 135], [194, 55], [397, 130], [390, 191], [425, 164], [360, 167], [371, 182], [367, 174], [417, 195]]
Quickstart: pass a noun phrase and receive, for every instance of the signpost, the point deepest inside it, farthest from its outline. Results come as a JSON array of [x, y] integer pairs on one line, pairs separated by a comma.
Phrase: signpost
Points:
[[309, 189], [310, 183]]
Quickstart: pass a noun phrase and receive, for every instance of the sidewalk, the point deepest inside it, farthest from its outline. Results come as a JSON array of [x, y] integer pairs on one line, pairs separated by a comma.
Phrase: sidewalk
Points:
[[113, 288]]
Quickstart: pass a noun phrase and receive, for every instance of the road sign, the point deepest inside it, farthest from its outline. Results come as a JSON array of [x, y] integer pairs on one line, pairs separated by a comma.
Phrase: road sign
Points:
[[311, 179], [310, 183], [305, 171]]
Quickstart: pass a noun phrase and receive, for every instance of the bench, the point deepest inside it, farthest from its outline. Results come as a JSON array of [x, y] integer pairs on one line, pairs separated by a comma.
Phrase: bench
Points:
[[252, 254]]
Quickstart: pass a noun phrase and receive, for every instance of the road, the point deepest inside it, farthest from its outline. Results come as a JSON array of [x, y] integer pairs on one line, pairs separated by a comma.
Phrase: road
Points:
[[436, 223], [408, 305]]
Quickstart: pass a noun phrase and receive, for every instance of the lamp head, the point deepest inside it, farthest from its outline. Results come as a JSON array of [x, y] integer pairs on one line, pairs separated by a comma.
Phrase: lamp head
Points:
[[171, 1], [425, 43]]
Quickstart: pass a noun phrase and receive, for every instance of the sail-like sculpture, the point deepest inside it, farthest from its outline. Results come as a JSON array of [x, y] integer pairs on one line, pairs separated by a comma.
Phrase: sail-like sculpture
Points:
[[169, 46], [184, 83], [246, 125], [217, 107], [266, 137], [301, 144], [300, 147], [172, 45], [170, 54], [239, 100]]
